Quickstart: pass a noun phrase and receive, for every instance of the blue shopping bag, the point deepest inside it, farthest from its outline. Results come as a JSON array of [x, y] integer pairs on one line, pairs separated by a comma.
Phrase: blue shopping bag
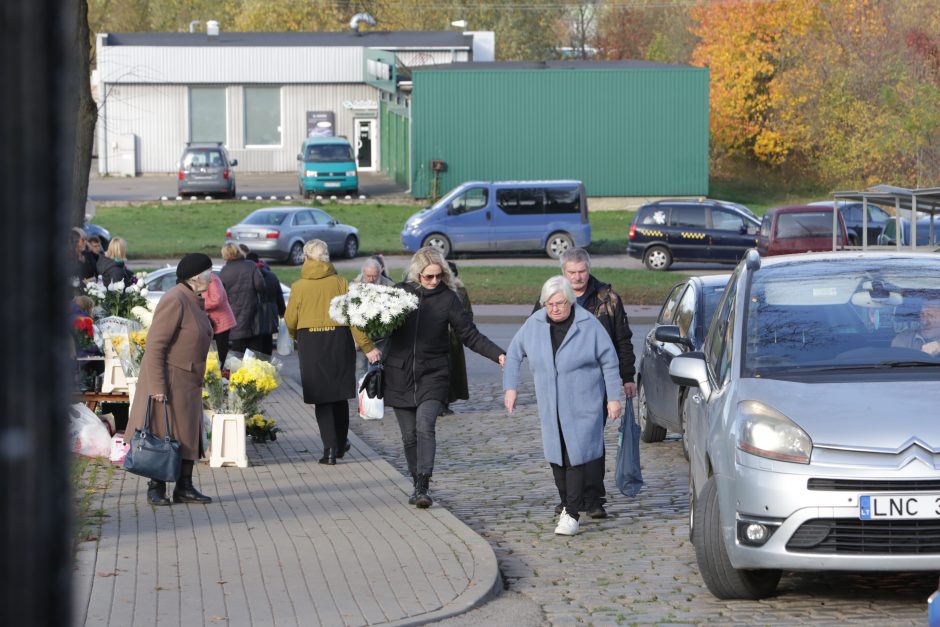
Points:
[[627, 472]]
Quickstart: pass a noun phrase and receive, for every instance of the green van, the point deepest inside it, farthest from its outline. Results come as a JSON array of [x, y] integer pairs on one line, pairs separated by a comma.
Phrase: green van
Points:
[[326, 165]]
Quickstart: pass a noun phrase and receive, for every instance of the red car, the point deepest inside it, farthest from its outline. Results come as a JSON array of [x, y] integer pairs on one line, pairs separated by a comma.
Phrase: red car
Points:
[[799, 229]]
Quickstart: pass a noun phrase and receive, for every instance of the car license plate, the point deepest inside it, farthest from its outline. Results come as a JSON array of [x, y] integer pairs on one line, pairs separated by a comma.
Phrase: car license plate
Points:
[[899, 507], [331, 184], [247, 236]]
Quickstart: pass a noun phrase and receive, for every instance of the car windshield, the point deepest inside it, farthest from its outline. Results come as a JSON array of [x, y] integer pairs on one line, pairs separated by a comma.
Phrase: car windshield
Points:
[[806, 317], [808, 224], [329, 152], [265, 218]]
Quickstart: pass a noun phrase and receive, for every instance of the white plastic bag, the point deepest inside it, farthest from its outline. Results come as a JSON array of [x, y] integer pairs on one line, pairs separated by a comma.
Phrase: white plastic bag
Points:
[[370, 408], [88, 434], [285, 345]]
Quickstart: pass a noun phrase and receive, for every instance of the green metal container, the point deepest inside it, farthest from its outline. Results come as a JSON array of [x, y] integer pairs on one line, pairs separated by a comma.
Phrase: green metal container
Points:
[[623, 128]]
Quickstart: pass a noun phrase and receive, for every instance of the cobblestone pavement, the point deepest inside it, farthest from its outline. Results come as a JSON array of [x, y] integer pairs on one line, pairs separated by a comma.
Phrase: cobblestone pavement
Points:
[[635, 567]]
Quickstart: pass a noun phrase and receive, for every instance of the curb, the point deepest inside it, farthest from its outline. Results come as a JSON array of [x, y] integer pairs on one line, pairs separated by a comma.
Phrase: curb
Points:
[[485, 581]]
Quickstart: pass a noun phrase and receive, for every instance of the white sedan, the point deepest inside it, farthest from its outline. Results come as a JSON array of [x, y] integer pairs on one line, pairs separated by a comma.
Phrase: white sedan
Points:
[[159, 281]]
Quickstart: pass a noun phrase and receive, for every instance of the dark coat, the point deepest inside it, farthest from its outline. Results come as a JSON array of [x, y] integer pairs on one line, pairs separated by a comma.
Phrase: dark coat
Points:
[[602, 301], [175, 364], [271, 306], [417, 362], [244, 285], [459, 386], [112, 271]]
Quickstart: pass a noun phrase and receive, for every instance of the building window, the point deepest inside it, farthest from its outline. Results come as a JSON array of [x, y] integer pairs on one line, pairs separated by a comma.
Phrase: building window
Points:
[[262, 116], [207, 114]]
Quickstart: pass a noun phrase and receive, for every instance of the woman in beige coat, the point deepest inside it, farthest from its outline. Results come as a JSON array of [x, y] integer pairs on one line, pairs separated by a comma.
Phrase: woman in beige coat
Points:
[[173, 368]]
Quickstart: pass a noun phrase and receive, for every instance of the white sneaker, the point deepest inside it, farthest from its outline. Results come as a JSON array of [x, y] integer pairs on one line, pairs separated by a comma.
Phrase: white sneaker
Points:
[[567, 526]]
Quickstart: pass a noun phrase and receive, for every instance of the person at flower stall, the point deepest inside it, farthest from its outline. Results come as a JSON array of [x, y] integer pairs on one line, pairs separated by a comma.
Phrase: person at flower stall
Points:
[[417, 366], [371, 273], [325, 348], [244, 285], [111, 265], [172, 371], [82, 260], [220, 314]]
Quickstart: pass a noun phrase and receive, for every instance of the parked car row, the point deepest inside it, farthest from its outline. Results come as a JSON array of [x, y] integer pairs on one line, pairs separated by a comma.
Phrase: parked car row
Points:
[[806, 409]]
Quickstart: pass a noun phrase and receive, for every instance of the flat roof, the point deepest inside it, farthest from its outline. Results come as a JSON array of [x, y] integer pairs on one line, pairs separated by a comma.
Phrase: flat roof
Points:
[[552, 65], [365, 39]]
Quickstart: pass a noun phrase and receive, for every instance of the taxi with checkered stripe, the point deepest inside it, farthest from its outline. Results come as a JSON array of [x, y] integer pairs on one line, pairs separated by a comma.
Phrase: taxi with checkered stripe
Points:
[[696, 230]]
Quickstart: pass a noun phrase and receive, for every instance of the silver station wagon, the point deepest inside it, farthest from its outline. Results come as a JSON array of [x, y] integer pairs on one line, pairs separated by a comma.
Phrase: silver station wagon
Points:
[[814, 431]]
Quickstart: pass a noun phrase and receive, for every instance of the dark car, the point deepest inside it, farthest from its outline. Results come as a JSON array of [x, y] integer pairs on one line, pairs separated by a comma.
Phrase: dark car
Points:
[[281, 232], [680, 328], [205, 168], [705, 230], [853, 213], [889, 236], [799, 229]]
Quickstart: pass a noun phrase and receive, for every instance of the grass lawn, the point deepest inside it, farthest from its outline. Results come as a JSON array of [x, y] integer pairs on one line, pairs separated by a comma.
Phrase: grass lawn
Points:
[[519, 285]]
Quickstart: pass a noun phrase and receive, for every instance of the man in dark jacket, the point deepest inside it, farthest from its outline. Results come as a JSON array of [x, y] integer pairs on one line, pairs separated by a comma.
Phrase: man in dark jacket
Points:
[[271, 306], [601, 300]]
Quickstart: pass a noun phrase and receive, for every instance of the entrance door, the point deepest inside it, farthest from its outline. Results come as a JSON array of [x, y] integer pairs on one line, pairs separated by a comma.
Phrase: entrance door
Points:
[[365, 145]]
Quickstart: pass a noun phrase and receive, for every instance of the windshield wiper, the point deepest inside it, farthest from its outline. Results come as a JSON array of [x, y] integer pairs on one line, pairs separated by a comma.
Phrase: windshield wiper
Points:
[[881, 365]]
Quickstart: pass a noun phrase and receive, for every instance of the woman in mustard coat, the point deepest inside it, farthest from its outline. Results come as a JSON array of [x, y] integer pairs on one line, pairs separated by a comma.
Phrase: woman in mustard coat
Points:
[[325, 348], [172, 370]]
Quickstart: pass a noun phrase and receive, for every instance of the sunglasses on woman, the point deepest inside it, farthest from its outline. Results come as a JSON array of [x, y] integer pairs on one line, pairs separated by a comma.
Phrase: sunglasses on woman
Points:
[[433, 277]]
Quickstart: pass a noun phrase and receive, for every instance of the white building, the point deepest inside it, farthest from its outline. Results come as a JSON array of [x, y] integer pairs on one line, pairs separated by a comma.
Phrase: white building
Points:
[[258, 93]]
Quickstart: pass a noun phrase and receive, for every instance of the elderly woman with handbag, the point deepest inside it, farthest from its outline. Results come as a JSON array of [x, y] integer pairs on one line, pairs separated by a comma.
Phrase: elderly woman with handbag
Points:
[[325, 348], [574, 363], [172, 370], [417, 366]]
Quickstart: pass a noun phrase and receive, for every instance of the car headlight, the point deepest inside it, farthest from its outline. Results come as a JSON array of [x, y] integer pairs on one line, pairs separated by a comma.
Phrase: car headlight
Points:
[[765, 432], [310, 173], [351, 173]]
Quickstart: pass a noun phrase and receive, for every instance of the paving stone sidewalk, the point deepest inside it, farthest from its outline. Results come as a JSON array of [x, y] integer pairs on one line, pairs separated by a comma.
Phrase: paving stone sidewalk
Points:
[[637, 567], [287, 542]]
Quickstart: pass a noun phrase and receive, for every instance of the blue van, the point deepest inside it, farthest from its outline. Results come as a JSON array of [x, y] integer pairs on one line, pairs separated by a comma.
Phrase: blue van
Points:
[[503, 216], [327, 164]]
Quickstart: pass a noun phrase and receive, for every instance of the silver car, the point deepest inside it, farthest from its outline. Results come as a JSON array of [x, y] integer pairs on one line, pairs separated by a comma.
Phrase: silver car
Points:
[[680, 327], [281, 232], [206, 169], [814, 434]]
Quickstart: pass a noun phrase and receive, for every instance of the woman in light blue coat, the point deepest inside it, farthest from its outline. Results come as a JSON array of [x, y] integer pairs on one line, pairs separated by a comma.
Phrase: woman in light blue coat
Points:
[[574, 363]]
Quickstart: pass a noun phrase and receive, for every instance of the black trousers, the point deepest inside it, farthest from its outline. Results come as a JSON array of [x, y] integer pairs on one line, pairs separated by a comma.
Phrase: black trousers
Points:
[[595, 495], [221, 346], [254, 343], [569, 480], [333, 420], [418, 435]]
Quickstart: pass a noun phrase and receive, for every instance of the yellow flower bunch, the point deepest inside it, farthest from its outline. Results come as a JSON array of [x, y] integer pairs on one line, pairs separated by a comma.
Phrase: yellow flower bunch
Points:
[[255, 372], [213, 369], [258, 421], [139, 339], [253, 380]]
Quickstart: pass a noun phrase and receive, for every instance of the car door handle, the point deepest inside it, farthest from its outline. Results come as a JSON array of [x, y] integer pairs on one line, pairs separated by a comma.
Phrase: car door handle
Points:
[[487, 215], [697, 399]]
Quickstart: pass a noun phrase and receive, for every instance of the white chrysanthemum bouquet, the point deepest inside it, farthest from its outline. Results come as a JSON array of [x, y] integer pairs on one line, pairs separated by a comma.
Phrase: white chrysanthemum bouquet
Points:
[[375, 309]]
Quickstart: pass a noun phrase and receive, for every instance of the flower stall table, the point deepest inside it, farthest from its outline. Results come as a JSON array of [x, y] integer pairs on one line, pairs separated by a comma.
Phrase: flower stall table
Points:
[[91, 399]]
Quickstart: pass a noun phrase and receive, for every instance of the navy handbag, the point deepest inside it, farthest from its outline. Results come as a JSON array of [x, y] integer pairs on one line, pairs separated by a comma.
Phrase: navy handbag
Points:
[[152, 456], [627, 472]]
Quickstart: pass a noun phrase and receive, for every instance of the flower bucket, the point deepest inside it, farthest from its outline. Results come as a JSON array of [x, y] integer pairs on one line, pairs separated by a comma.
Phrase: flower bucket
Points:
[[228, 441], [114, 379]]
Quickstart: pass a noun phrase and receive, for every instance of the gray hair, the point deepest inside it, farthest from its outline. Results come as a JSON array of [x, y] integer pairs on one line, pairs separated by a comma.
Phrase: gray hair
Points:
[[574, 255], [371, 263], [317, 250], [554, 285]]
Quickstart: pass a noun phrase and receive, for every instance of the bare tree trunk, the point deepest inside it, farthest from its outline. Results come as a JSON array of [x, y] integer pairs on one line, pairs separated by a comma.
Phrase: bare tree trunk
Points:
[[37, 135], [87, 113]]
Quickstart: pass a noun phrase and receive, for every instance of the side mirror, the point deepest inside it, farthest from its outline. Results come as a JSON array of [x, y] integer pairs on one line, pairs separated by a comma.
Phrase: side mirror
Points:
[[670, 333], [234, 163], [333, 222], [300, 157], [689, 370]]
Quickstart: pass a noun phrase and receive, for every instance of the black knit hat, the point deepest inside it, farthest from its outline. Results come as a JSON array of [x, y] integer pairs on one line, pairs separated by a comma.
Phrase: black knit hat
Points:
[[191, 265]]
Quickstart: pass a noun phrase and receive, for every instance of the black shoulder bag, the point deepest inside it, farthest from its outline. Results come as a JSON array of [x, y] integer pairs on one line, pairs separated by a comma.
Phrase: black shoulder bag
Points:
[[151, 456]]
